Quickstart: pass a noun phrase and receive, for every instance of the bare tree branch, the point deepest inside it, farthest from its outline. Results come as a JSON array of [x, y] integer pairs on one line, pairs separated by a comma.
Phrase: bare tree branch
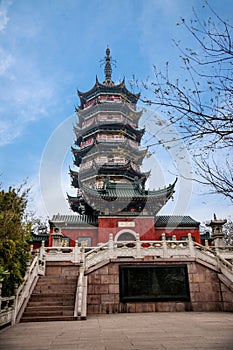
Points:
[[201, 104]]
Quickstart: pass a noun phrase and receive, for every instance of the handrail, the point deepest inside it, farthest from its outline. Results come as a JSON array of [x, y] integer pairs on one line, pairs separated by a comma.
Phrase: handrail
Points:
[[79, 295], [25, 289], [14, 305], [90, 256], [59, 253], [226, 267]]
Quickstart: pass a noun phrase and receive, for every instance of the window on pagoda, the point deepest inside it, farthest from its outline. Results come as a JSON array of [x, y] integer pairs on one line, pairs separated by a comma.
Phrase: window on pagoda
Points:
[[115, 118], [101, 160], [110, 138], [110, 98]]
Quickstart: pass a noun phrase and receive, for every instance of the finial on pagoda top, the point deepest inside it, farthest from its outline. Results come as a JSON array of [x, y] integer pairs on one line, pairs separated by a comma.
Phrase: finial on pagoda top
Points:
[[108, 68]]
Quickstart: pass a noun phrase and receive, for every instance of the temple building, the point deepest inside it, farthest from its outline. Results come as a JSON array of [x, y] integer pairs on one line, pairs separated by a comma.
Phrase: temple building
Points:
[[111, 196], [116, 253]]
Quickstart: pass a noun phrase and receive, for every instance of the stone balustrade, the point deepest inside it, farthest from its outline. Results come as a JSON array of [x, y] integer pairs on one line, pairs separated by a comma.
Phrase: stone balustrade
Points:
[[91, 256], [11, 308]]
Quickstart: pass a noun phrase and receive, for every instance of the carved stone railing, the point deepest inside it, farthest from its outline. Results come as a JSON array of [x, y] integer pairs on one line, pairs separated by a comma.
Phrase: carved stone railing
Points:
[[61, 253], [142, 249], [226, 267], [80, 308], [161, 249], [7, 309], [205, 254], [139, 249], [226, 252], [13, 307]]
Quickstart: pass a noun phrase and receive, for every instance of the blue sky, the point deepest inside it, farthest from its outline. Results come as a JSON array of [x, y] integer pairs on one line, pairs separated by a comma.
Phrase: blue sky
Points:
[[48, 49]]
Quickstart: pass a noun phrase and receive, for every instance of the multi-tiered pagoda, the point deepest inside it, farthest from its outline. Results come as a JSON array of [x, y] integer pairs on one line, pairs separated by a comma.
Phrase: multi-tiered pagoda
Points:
[[111, 196], [108, 154]]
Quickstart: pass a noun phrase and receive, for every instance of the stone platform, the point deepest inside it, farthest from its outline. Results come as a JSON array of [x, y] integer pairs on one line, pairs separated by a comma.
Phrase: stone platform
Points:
[[138, 331]]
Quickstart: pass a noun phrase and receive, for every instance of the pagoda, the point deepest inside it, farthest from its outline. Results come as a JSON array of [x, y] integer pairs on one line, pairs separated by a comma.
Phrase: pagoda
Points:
[[108, 154]]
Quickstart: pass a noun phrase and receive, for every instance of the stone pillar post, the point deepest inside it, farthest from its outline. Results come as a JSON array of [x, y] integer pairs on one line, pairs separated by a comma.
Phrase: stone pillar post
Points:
[[165, 252], [138, 246], [111, 246], [42, 250], [191, 246], [76, 252]]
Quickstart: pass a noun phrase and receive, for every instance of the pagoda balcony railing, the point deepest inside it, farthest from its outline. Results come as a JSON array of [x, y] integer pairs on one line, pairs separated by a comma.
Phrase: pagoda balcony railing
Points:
[[103, 119], [110, 138], [137, 249], [104, 98], [111, 162], [87, 143], [123, 107]]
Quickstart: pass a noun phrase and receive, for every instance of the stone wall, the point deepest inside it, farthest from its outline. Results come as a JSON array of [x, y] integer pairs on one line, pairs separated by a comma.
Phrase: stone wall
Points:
[[63, 268], [227, 293], [207, 292]]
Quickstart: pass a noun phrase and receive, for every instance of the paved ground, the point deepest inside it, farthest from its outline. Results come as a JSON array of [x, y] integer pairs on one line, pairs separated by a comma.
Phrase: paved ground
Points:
[[144, 331]]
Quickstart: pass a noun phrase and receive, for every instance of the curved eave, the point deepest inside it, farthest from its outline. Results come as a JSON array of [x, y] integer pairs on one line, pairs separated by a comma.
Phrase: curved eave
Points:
[[73, 199], [80, 153], [167, 191], [99, 88], [73, 173], [152, 196]]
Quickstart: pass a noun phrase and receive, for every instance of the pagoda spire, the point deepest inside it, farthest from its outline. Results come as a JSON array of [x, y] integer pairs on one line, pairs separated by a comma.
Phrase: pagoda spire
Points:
[[108, 69]]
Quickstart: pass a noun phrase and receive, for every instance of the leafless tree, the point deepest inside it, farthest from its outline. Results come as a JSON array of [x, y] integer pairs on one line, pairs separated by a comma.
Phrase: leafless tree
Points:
[[228, 230], [201, 104]]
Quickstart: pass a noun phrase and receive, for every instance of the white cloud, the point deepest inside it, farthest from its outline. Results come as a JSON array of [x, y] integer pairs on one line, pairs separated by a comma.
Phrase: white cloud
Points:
[[6, 61], [9, 131], [3, 14], [22, 105]]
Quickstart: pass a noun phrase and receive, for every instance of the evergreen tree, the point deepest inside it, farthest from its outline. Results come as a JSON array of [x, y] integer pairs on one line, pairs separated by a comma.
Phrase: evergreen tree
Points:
[[15, 237]]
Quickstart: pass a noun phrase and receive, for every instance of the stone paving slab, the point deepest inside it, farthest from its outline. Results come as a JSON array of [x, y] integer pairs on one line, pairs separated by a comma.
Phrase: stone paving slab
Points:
[[138, 331]]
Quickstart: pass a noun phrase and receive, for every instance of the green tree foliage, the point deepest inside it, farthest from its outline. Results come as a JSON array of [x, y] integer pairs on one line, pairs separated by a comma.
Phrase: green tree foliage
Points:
[[15, 237]]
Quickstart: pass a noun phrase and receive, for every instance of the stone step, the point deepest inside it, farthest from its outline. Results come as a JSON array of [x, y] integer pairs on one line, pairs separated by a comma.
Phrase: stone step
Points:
[[43, 308], [51, 302], [53, 297], [54, 290], [49, 312], [47, 318], [57, 281]]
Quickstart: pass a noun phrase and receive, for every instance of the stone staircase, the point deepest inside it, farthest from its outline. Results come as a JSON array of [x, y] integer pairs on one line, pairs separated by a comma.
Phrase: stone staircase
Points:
[[53, 297]]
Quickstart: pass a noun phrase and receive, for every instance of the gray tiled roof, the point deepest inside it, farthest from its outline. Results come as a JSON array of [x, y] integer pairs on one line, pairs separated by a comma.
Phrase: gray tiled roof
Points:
[[73, 219], [160, 220], [175, 221], [125, 190], [39, 238]]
